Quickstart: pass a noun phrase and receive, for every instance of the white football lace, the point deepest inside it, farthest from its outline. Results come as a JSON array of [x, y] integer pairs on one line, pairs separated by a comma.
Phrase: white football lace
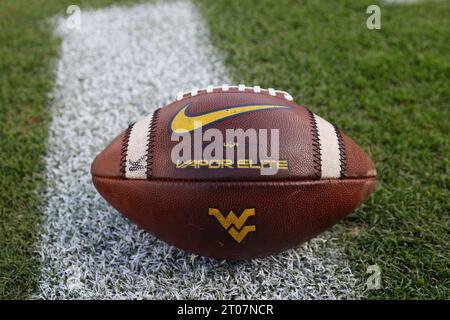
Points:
[[241, 87]]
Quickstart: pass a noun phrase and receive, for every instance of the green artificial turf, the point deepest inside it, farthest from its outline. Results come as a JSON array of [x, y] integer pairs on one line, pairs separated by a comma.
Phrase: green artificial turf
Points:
[[389, 90], [27, 55]]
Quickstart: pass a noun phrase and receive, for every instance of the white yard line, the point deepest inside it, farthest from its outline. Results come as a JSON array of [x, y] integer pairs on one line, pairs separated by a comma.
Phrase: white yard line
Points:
[[121, 65]]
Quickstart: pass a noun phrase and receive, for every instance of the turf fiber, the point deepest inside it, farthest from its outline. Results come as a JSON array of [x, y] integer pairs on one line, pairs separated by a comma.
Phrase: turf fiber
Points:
[[389, 90]]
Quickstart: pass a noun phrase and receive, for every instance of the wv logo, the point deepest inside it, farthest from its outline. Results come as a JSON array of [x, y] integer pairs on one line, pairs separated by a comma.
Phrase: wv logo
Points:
[[234, 225]]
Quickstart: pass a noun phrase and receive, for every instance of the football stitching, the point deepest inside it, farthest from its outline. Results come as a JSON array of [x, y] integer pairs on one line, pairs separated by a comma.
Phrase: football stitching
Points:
[[249, 182], [151, 143], [317, 155], [124, 150], [199, 92], [342, 154]]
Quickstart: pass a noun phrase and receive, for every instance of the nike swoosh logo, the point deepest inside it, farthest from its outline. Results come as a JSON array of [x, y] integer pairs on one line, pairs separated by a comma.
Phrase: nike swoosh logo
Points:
[[182, 122]]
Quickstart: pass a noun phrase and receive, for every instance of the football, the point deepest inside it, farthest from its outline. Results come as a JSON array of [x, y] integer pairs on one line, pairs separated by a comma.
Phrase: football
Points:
[[234, 172]]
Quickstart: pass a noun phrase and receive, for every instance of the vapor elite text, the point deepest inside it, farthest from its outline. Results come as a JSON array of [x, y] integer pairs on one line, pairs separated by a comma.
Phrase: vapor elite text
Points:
[[236, 149]]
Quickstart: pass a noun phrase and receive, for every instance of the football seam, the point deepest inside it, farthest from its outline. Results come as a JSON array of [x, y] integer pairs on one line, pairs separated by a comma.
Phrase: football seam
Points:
[[295, 181], [124, 150], [317, 155], [151, 138]]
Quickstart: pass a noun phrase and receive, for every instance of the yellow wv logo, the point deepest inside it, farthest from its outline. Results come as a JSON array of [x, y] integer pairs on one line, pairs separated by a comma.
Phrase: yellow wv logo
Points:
[[234, 225]]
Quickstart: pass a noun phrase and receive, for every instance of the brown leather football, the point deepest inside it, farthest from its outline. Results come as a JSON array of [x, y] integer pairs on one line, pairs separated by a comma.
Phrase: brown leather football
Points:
[[234, 172]]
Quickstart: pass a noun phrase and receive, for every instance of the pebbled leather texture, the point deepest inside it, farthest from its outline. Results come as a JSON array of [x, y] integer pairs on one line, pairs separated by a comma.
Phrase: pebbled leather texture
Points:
[[108, 162], [287, 213], [289, 208]]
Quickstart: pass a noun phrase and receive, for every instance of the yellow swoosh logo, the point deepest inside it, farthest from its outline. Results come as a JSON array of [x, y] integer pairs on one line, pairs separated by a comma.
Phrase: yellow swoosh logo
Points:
[[182, 122]]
